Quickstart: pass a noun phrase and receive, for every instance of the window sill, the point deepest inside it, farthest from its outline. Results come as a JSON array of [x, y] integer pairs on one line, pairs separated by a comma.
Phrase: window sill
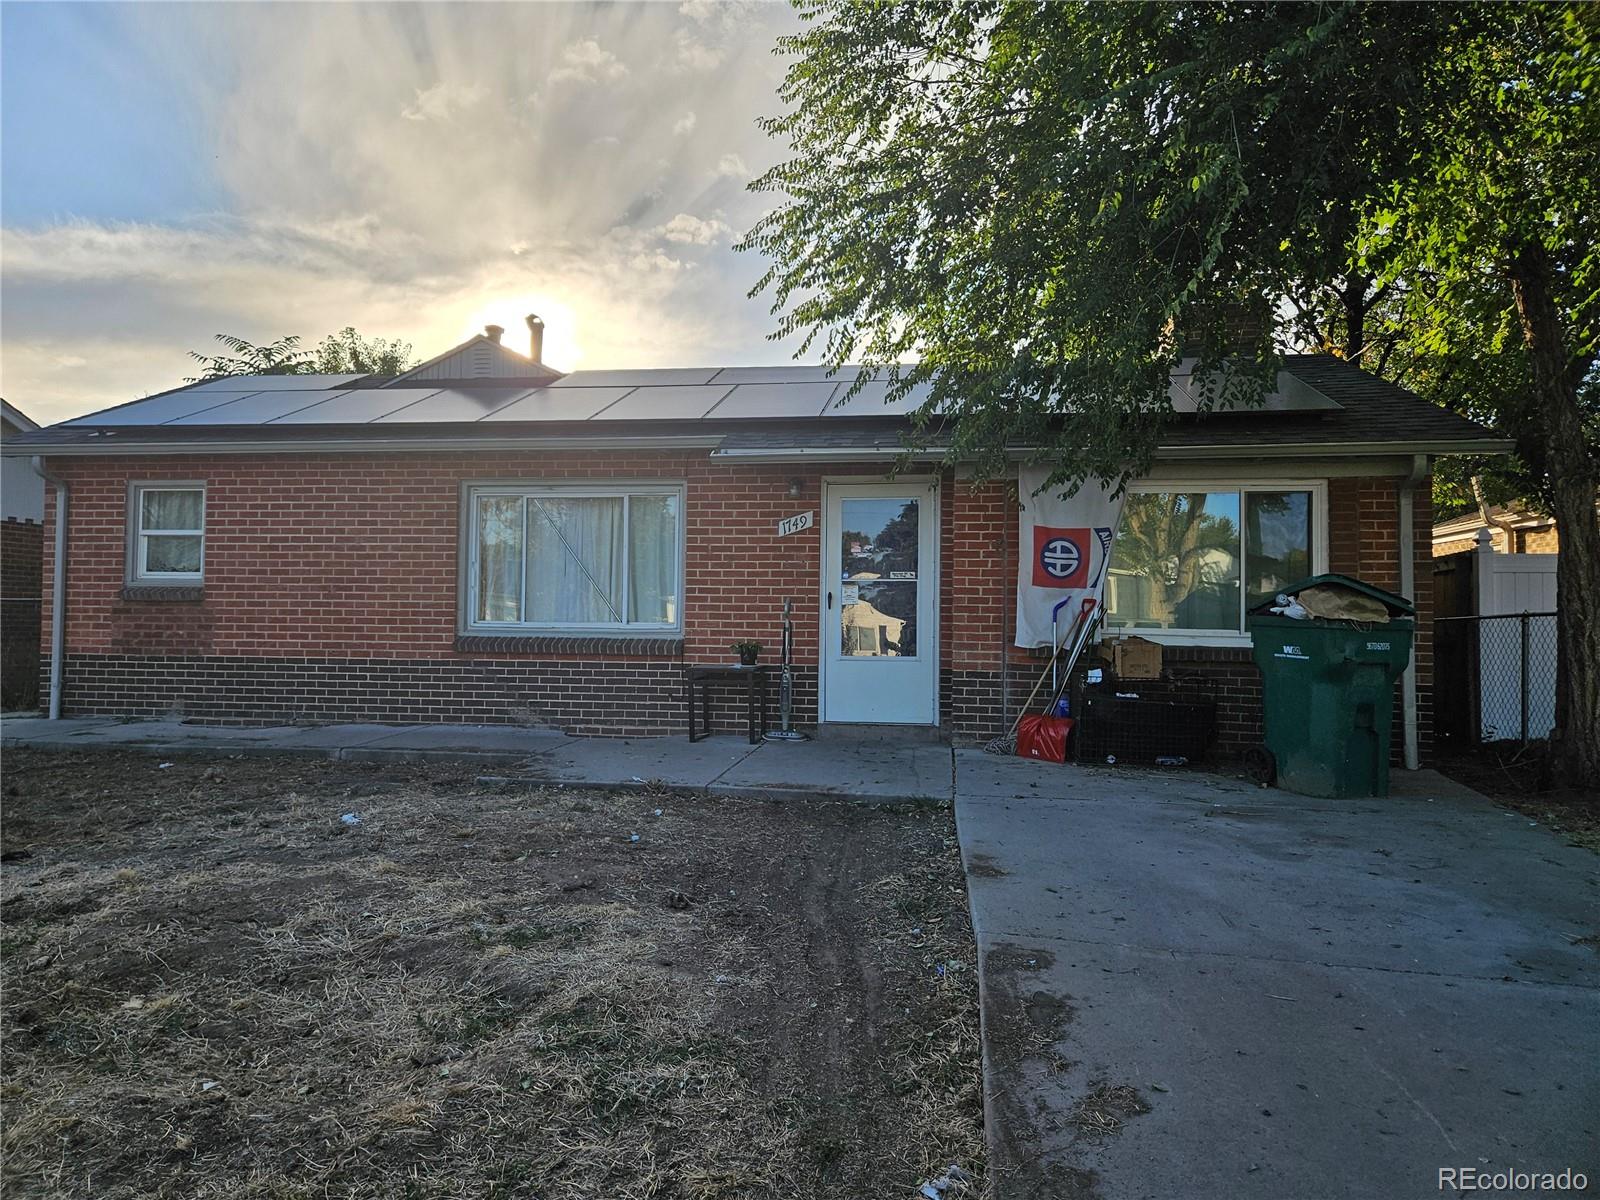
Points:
[[1207, 640], [608, 644], [166, 593]]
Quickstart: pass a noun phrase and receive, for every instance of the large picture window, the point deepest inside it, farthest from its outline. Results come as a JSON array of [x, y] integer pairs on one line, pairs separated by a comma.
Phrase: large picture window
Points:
[[1194, 562], [169, 533], [575, 559]]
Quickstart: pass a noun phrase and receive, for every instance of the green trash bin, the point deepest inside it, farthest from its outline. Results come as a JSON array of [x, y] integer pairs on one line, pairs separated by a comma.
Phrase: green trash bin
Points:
[[1328, 694]]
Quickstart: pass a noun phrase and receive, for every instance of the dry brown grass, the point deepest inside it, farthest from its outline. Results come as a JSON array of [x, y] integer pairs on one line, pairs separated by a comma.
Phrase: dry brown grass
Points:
[[213, 988], [1107, 1106]]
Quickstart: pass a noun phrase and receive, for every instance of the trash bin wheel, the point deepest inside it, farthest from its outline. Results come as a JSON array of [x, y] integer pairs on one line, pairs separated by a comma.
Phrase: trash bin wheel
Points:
[[1260, 766]]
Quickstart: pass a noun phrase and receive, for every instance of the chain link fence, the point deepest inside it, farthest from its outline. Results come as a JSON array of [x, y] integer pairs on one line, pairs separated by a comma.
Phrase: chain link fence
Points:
[[1494, 678]]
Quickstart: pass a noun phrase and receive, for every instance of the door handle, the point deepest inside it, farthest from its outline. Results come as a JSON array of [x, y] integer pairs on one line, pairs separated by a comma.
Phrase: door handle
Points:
[[830, 601]]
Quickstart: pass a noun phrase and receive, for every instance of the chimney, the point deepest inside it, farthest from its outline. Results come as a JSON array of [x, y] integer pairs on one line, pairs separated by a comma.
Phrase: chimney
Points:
[[494, 333], [1226, 326], [536, 338]]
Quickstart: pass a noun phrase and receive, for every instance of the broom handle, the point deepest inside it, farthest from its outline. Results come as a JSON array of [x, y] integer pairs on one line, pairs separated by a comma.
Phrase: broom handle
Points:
[[1080, 643], [1083, 613]]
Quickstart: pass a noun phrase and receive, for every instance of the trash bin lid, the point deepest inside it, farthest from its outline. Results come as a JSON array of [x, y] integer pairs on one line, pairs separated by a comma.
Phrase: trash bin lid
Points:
[[1398, 606]]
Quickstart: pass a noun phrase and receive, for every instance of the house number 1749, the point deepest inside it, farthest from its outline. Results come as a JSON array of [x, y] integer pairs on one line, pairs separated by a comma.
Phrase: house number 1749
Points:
[[794, 524]]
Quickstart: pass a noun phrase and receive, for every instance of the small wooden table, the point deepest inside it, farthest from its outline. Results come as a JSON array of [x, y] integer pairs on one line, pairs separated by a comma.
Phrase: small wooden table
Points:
[[754, 680]]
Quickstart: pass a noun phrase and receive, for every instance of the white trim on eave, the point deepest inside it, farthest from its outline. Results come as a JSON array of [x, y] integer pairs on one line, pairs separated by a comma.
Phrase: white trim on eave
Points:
[[1255, 453], [1338, 449], [109, 445]]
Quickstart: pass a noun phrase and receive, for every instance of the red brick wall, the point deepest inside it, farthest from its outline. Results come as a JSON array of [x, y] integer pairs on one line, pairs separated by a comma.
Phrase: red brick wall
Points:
[[979, 567], [331, 594], [1363, 542]]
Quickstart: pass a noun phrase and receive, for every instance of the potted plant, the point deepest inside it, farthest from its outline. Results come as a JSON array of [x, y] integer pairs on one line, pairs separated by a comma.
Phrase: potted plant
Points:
[[748, 652]]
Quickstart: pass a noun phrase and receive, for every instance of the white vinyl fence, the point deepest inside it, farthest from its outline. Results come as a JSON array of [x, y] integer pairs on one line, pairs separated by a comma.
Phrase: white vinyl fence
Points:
[[1516, 604]]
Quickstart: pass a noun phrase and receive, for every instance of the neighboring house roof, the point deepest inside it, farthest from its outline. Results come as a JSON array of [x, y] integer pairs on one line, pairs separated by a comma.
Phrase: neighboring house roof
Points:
[[15, 419], [1321, 406], [1470, 522], [21, 488], [479, 358]]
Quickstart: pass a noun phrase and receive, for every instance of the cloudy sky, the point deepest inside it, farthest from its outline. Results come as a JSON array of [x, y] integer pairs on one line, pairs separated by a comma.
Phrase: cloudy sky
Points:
[[169, 172]]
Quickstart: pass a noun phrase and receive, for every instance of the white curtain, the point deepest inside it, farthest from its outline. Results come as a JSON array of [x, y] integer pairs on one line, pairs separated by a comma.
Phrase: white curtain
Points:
[[574, 565], [653, 559], [499, 558], [171, 510], [165, 553]]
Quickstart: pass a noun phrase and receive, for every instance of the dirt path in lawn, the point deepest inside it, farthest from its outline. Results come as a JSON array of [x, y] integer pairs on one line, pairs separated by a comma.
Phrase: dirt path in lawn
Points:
[[218, 984]]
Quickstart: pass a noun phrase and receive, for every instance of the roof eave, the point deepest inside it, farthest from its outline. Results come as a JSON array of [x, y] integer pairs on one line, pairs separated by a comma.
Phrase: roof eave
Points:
[[1434, 448], [112, 446], [365, 445]]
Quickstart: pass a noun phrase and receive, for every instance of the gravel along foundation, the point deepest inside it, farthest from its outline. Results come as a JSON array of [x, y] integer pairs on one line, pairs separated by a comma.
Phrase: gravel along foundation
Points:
[[280, 978]]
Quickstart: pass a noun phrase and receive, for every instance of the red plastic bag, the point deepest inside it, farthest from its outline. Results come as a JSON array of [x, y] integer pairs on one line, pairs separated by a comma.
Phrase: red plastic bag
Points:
[[1043, 738]]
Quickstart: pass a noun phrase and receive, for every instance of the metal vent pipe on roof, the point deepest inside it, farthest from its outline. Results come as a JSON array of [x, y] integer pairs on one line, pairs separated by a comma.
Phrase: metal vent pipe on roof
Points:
[[494, 333], [536, 338]]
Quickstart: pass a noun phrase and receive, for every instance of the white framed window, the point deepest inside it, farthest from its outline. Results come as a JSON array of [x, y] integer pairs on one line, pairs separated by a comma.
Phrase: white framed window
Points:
[[603, 558], [1189, 562], [167, 534]]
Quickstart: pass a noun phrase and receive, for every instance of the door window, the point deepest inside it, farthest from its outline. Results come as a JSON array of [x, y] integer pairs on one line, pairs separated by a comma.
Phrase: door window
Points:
[[878, 577]]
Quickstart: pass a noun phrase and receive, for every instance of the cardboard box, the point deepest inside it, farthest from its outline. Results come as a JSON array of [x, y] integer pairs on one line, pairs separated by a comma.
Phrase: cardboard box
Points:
[[1136, 658]]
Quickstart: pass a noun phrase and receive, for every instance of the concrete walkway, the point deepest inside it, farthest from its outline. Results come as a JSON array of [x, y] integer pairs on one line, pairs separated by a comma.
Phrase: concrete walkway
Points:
[[878, 769], [1312, 998]]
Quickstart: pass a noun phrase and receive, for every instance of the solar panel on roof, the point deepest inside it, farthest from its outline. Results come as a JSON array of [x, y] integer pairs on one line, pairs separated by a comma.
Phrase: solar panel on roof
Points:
[[794, 374], [664, 404], [666, 377], [774, 400], [870, 401], [568, 404], [1296, 395], [355, 407], [257, 408], [157, 409], [454, 405], [1290, 395], [274, 383]]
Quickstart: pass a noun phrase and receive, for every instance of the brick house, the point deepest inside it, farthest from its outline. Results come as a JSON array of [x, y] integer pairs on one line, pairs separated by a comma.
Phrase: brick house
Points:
[[1512, 530], [484, 539]]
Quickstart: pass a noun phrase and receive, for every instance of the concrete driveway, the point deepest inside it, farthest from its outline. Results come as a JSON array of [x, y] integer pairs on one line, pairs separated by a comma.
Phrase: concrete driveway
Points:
[[1195, 987]]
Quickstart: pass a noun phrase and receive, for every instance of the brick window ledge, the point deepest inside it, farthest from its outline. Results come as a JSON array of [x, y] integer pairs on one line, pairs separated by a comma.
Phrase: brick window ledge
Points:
[[635, 647], [161, 593]]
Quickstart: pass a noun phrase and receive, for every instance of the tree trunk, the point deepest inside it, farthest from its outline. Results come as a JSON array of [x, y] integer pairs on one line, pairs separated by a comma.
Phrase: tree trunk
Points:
[[1575, 744], [1354, 298]]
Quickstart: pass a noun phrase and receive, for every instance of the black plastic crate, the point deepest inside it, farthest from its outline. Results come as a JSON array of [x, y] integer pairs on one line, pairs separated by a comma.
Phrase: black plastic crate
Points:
[[1150, 719]]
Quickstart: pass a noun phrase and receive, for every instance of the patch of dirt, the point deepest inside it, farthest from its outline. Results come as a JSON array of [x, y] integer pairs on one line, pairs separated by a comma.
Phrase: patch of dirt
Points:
[[1517, 777], [982, 866], [216, 986]]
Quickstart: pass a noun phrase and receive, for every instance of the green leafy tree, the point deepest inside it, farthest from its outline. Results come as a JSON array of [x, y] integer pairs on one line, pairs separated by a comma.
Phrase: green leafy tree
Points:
[[1044, 207], [342, 353], [282, 357], [348, 353]]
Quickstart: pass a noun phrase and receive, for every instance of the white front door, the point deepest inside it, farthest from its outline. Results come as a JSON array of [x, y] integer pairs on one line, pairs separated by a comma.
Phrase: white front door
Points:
[[880, 582]]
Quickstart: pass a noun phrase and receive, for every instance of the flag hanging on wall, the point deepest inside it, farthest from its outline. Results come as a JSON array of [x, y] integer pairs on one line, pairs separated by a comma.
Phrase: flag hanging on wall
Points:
[[1066, 544]]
